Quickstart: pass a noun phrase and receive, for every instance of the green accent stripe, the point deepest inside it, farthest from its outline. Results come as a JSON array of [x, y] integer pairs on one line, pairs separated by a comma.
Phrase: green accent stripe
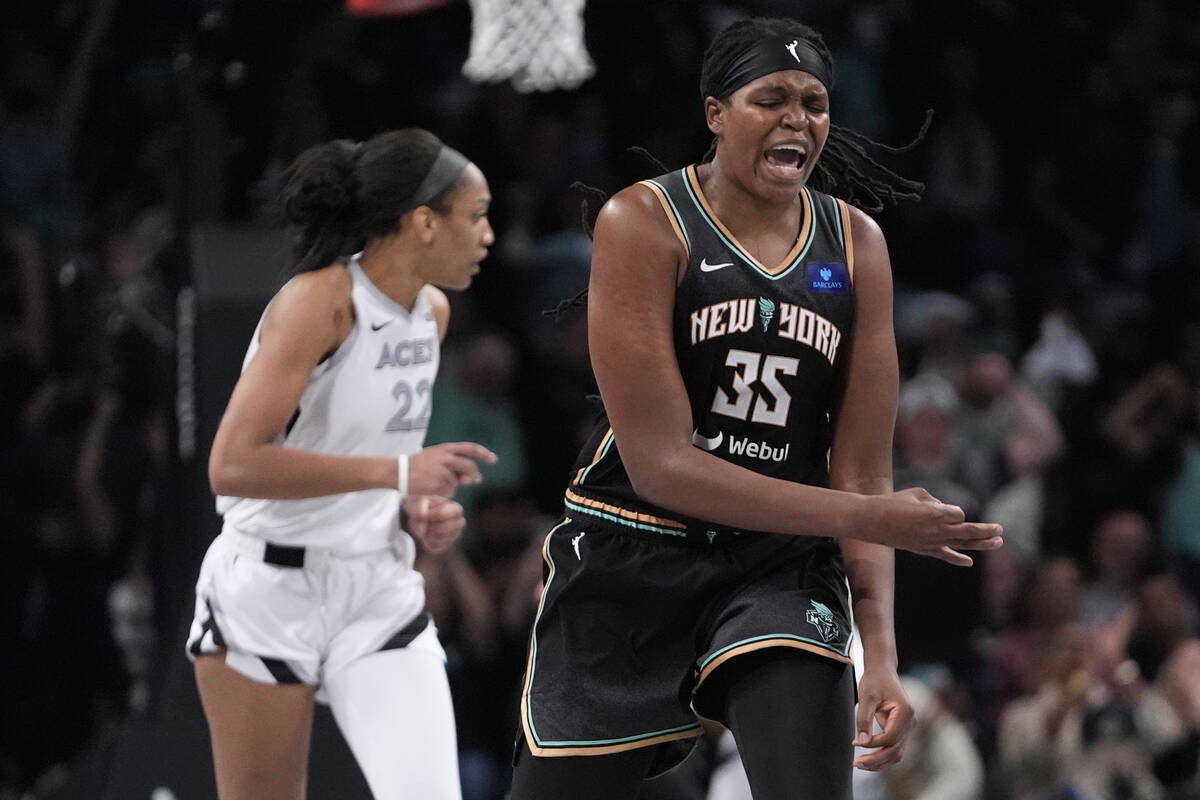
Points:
[[742, 254], [812, 236], [603, 453], [622, 740], [533, 674], [704, 215], [675, 210], [622, 521], [533, 636], [793, 637]]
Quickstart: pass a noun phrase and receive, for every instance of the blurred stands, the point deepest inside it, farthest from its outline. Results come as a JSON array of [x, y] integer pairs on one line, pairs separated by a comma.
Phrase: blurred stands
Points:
[[1048, 314]]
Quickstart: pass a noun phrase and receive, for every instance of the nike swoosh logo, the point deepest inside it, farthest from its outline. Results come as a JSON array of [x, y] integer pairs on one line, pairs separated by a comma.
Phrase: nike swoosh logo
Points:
[[707, 267], [705, 443], [377, 325]]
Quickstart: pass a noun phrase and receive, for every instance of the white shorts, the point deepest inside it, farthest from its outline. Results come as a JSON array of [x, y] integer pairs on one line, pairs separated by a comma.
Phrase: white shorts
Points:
[[292, 615]]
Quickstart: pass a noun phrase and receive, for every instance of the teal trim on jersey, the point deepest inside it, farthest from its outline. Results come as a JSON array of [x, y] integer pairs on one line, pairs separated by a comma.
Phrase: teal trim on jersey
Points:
[[603, 455], [837, 221], [622, 740], [742, 254], [533, 675], [533, 636], [641, 526], [675, 211], [792, 636]]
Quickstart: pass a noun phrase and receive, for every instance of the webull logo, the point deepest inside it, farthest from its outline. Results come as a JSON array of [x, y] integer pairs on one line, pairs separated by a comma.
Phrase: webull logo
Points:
[[763, 451]]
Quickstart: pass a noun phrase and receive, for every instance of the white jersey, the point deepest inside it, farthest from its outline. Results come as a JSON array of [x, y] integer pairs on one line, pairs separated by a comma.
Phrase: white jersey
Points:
[[370, 398]]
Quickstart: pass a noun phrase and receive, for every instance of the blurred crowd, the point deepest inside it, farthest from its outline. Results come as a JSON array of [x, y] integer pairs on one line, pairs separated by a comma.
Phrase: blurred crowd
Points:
[[1047, 313]]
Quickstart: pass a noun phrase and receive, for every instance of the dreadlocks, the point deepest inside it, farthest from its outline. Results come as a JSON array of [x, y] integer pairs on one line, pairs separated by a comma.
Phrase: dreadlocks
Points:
[[844, 169]]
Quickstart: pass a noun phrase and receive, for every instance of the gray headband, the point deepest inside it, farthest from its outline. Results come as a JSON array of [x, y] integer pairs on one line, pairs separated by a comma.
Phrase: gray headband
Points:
[[773, 54], [444, 171]]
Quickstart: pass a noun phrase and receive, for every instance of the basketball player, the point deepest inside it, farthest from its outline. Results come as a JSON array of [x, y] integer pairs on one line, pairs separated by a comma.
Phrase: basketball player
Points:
[[309, 590], [741, 335]]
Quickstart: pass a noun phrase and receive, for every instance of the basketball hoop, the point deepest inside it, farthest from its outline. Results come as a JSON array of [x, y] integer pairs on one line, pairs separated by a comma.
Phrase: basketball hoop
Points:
[[537, 44], [391, 8]]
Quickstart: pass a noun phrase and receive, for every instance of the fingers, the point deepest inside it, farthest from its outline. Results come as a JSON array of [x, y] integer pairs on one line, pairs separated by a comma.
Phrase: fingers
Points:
[[864, 721], [981, 531], [878, 759], [951, 513], [441, 522], [969, 536], [887, 746], [465, 470], [990, 543], [440, 469], [921, 494], [442, 510], [473, 451], [442, 537], [418, 515], [464, 461], [953, 557]]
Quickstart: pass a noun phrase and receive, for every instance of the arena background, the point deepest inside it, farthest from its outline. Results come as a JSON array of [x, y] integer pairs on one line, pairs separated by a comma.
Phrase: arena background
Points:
[[1049, 279]]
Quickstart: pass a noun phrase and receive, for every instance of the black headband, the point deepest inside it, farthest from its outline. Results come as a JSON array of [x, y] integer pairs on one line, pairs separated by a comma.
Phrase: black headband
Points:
[[444, 171], [774, 54]]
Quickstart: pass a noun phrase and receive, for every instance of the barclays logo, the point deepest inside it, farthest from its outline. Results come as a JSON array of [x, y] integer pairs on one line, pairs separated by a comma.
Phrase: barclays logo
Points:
[[828, 277]]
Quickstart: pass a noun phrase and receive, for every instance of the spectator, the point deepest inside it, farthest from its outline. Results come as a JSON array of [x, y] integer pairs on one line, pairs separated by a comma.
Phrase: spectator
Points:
[[1077, 733], [1120, 552]]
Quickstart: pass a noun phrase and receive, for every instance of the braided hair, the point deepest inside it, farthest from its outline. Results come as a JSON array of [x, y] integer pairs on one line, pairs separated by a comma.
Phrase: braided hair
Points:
[[341, 194], [844, 168]]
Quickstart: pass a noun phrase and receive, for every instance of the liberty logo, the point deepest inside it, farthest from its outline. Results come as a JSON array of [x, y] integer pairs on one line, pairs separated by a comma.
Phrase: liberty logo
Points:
[[791, 48], [826, 273], [575, 544], [766, 312], [821, 618]]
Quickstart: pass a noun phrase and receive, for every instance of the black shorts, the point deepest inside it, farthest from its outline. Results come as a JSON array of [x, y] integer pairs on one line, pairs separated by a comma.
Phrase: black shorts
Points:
[[631, 623]]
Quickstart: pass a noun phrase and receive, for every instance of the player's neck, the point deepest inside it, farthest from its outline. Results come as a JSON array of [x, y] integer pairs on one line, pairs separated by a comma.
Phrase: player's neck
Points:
[[393, 270]]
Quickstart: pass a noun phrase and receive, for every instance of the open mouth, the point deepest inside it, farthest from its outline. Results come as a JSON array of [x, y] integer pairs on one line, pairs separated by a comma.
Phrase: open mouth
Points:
[[787, 159]]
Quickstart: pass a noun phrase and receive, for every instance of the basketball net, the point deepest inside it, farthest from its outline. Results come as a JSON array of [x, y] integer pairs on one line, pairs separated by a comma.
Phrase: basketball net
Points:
[[537, 44], [391, 8]]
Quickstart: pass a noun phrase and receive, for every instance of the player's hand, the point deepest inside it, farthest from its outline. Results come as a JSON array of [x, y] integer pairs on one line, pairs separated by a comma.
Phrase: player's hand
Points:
[[882, 699], [435, 522], [915, 520], [442, 468]]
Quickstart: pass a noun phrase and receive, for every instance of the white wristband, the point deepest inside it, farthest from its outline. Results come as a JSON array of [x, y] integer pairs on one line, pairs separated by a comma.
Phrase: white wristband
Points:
[[402, 474]]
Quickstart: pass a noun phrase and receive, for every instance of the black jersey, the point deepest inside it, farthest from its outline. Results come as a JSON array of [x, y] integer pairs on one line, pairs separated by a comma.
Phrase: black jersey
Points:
[[759, 347]]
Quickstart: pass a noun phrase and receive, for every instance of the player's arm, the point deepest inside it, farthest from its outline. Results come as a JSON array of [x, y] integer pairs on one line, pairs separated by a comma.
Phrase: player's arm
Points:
[[635, 263], [861, 461], [306, 321], [861, 453]]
